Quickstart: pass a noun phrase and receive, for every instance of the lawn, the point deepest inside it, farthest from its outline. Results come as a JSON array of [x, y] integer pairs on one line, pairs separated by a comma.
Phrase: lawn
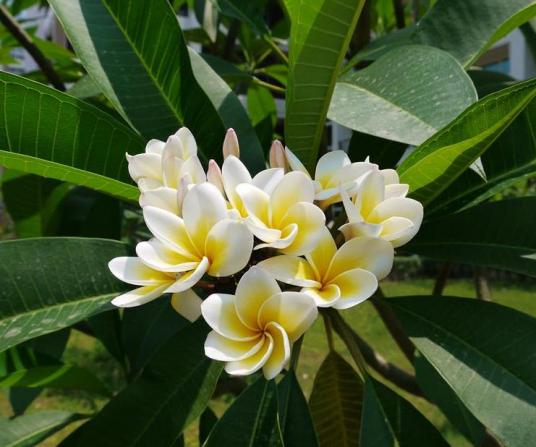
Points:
[[85, 351]]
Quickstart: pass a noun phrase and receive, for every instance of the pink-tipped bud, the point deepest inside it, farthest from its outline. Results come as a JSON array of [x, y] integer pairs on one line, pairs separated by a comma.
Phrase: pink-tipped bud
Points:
[[277, 155], [214, 175], [230, 144]]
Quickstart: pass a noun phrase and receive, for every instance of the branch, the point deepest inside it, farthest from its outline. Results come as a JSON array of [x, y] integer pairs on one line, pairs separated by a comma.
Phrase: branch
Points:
[[393, 325], [378, 363], [27, 42], [441, 280]]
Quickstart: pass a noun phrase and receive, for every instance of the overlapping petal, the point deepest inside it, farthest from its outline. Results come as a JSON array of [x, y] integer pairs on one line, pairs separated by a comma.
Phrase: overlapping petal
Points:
[[187, 304], [291, 270]]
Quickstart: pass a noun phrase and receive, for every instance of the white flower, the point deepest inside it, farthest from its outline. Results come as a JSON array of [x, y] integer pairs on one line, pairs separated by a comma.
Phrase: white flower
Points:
[[380, 208], [163, 165], [255, 328], [339, 278], [334, 171], [153, 285], [286, 219]]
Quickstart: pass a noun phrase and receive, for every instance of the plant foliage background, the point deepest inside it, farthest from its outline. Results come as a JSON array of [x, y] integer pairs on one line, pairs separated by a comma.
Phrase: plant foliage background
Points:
[[400, 75]]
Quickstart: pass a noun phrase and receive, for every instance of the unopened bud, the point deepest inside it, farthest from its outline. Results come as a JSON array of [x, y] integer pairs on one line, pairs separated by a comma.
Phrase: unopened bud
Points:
[[214, 175], [230, 144], [277, 155]]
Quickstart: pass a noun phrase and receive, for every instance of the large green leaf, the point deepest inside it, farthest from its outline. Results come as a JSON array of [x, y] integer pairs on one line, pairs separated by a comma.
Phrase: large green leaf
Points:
[[336, 402], [510, 159], [154, 409], [30, 429], [49, 133], [250, 421], [390, 420], [436, 163], [294, 416], [415, 89], [51, 283], [490, 366], [136, 53], [232, 112], [497, 234], [320, 33], [246, 11], [263, 113]]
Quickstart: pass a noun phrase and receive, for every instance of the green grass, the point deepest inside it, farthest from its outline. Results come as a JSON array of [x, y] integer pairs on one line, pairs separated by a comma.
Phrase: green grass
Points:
[[87, 352]]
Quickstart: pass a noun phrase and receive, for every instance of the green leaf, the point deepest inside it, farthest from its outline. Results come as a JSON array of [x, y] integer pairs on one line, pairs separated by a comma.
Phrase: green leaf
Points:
[[30, 429], [52, 134], [146, 328], [320, 33], [246, 11], [263, 113], [232, 112], [32, 202], [51, 283], [415, 89], [385, 153], [490, 367], [390, 420], [135, 52], [207, 421], [496, 234], [84, 88], [294, 416], [106, 327], [250, 420], [172, 391], [336, 402], [436, 163], [439, 392]]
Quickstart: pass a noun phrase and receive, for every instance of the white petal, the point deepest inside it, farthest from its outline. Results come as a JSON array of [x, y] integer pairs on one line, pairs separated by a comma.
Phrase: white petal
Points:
[[327, 296], [193, 167], [294, 162], [256, 202], [286, 238], [290, 270], [355, 287], [189, 279], [329, 165], [294, 311], [398, 230], [260, 230], [268, 179], [322, 254], [254, 288], [228, 246], [148, 184], [253, 363], [139, 296], [295, 187], [280, 355], [189, 146], [169, 229], [219, 311], [145, 165], [396, 190], [390, 176], [165, 198], [224, 349], [203, 207], [187, 304], [155, 147], [133, 271], [311, 223], [234, 173], [160, 257], [352, 211], [360, 229], [370, 193]]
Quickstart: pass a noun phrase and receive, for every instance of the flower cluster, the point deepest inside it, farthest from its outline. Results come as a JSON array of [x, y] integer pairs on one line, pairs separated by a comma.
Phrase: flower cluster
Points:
[[224, 228]]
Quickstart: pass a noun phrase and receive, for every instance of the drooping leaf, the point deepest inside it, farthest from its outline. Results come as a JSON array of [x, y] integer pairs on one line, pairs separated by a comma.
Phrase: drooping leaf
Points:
[[385, 153], [320, 33], [390, 420], [415, 89], [146, 328], [51, 134], [439, 392], [336, 402], [436, 163], [246, 11], [172, 391], [250, 421], [51, 283], [232, 112], [30, 429], [490, 367], [294, 416], [32, 202], [158, 92], [497, 234]]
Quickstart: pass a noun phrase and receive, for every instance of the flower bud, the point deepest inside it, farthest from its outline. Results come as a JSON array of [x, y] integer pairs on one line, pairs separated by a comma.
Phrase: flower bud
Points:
[[214, 175], [230, 144], [277, 155]]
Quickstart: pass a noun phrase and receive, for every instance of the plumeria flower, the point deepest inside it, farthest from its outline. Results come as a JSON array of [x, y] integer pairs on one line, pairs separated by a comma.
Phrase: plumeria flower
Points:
[[334, 171], [286, 219], [203, 241], [153, 284], [255, 328], [163, 165], [381, 209], [336, 278]]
